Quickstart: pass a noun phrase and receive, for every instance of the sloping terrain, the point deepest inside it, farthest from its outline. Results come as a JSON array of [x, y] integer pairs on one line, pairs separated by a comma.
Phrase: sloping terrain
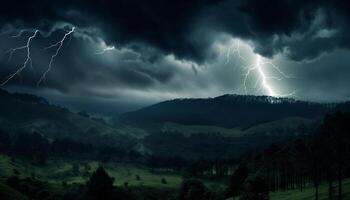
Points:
[[291, 125], [8, 193], [29, 113], [224, 111]]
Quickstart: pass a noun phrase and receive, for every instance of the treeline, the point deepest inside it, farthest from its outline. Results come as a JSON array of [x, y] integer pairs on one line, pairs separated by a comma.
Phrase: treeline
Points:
[[321, 157], [36, 148]]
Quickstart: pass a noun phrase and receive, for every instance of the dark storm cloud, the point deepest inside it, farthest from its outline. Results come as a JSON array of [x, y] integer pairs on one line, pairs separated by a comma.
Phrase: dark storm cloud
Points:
[[293, 25], [81, 67], [164, 24], [187, 28], [169, 49]]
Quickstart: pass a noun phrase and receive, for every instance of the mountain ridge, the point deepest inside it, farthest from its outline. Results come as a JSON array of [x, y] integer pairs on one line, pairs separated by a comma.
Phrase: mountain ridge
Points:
[[226, 111]]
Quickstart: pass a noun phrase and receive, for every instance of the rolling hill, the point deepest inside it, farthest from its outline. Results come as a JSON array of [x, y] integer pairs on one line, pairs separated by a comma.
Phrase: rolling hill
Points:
[[29, 113], [227, 111], [239, 123], [291, 125]]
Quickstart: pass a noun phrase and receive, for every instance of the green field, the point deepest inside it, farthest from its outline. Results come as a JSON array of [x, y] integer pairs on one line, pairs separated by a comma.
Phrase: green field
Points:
[[58, 171], [128, 174]]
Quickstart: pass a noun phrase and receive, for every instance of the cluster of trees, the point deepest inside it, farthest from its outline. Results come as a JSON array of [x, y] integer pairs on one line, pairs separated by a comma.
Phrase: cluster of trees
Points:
[[323, 156], [320, 156], [100, 186], [330, 152]]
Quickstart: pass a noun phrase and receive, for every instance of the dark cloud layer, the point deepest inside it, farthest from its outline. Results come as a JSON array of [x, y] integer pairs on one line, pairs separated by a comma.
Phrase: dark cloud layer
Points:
[[277, 26], [168, 49], [175, 26]]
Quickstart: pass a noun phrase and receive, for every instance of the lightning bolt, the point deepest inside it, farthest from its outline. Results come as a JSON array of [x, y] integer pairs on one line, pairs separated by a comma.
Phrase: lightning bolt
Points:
[[28, 59], [59, 45], [258, 67], [268, 88], [12, 51], [232, 50]]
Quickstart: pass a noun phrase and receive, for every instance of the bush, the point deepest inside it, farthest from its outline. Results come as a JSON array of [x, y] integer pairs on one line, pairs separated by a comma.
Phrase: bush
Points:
[[64, 184], [164, 181], [138, 178], [193, 189], [255, 188]]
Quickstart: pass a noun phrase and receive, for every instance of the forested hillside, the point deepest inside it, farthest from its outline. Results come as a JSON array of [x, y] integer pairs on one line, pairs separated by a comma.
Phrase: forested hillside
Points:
[[225, 111]]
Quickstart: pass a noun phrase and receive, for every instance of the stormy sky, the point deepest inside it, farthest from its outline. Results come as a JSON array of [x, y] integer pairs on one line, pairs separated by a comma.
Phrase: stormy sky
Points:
[[126, 54]]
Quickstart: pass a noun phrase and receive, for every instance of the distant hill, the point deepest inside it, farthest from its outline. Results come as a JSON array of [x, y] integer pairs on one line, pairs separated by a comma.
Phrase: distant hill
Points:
[[236, 123], [29, 113], [224, 111], [288, 126], [210, 142]]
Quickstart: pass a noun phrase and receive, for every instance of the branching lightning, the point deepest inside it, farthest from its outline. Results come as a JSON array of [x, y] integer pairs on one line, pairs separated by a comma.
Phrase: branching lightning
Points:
[[234, 49], [59, 45], [12, 51], [28, 59], [258, 67]]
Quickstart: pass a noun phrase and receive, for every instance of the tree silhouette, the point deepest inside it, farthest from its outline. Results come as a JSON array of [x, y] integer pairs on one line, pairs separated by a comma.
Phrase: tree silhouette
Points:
[[100, 185], [237, 181]]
